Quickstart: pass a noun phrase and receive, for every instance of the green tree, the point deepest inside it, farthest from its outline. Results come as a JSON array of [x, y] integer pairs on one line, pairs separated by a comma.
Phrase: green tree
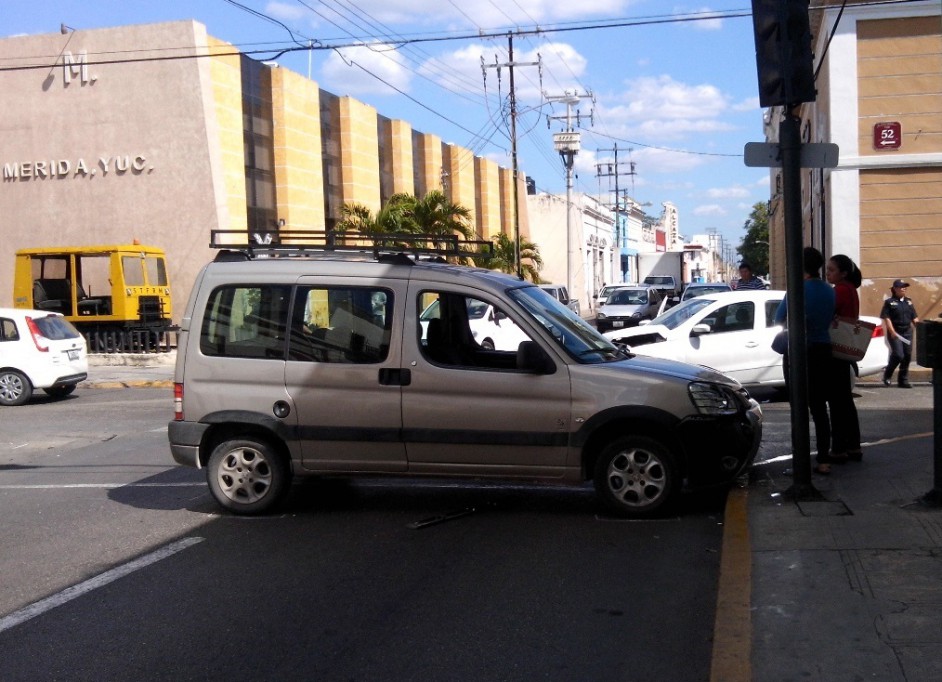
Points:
[[504, 258], [754, 247]]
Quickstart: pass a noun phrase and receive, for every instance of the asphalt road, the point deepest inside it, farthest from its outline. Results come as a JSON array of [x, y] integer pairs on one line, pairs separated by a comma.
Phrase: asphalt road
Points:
[[118, 565]]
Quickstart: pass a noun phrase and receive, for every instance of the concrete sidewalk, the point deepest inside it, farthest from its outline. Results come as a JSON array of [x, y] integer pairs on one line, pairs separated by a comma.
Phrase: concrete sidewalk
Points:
[[123, 370], [846, 587]]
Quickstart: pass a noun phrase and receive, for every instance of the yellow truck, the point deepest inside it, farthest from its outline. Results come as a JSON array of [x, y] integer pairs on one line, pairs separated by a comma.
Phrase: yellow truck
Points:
[[118, 296]]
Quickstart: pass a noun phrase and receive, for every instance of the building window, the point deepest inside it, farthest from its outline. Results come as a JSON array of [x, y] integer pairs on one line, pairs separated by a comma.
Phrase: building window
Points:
[[330, 157], [261, 210]]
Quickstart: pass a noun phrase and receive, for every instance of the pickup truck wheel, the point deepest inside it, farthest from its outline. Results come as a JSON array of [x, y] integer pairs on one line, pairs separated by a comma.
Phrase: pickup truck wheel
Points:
[[15, 388], [636, 476], [247, 475], [487, 344]]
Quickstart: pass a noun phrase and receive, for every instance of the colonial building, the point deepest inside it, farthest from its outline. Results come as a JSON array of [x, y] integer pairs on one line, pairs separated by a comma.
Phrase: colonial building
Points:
[[880, 100], [162, 133]]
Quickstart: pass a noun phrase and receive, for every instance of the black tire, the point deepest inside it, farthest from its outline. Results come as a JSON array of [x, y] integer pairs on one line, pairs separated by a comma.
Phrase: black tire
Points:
[[487, 344], [60, 391], [15, 388], [636, 476], [247, 475]]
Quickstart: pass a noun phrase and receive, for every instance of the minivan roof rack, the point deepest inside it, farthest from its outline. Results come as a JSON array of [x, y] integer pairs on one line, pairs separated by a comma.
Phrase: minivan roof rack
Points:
[[385, 247]]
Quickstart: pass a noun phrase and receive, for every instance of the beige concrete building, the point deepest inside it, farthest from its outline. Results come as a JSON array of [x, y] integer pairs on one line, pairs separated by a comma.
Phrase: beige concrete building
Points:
[[880, 100], [162, 133]]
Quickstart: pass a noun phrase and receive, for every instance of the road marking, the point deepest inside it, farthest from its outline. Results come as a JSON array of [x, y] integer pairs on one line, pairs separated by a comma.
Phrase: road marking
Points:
[[68, 594], [883, 441], [105, 486]]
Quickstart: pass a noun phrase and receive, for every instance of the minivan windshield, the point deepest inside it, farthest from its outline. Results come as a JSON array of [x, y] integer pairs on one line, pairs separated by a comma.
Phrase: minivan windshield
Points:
[[573, 334]]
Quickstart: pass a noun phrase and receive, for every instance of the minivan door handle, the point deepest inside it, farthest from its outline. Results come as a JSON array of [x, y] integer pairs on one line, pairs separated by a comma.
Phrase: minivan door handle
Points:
[[389, 376]]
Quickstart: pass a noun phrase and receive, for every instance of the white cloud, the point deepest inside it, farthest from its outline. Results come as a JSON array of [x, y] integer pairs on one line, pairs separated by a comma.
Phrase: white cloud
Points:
[[714, 210], [286, 12], [359, 70], [660, 108], [734, 192]]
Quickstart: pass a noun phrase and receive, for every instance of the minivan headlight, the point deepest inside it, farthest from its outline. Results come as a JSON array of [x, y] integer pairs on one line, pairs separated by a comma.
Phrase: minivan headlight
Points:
[[712, 399]]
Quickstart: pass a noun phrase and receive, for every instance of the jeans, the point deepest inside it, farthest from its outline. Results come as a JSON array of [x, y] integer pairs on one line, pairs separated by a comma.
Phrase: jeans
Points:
[[900, 356]]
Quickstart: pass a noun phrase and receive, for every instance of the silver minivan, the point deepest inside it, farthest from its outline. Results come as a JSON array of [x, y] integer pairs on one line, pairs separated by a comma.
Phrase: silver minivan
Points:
[[323, 367]]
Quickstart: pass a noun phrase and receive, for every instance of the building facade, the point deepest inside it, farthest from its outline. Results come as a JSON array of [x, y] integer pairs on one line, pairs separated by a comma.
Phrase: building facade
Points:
[[162, 133], [880, 100]]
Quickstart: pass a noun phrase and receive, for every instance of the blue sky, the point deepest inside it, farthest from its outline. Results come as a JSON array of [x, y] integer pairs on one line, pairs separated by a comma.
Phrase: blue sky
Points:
[[673, 84]]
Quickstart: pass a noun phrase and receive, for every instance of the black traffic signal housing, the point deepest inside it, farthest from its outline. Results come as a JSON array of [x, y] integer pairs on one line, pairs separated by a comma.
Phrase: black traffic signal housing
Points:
[[784, 59]]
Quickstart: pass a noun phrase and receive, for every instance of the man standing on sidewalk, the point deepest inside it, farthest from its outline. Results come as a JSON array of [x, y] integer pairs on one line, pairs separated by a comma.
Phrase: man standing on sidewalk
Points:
[[747, 280], [899, 317]]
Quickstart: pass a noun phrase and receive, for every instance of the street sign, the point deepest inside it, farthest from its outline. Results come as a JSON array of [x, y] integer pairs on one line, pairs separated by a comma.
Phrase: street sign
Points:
[[887, 135], [813, 155]]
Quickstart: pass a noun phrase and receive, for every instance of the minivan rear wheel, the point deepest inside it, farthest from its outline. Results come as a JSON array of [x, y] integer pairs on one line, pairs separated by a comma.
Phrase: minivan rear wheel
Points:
[[247, 475], [15, 388], [636, 476]]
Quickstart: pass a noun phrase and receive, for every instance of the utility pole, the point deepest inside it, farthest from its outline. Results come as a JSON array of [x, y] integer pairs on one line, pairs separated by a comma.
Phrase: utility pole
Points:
[[607, 169], [567, 144], [510, 64]]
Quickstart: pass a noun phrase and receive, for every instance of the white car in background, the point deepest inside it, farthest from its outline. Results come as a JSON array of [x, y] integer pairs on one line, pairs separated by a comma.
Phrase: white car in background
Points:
[[491, 329], [39, 350], [731, 332]]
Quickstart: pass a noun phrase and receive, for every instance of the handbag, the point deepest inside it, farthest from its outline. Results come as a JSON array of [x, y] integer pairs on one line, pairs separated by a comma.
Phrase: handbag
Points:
[[780, 342], [850, 338]]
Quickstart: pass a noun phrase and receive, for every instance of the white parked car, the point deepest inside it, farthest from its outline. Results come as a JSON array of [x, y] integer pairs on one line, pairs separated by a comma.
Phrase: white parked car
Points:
[[627, 306], [39, 350], [731, 332], [602, 297]]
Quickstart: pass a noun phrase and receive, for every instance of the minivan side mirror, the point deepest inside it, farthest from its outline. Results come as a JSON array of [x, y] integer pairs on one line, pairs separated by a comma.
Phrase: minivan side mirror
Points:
[[533, 359]]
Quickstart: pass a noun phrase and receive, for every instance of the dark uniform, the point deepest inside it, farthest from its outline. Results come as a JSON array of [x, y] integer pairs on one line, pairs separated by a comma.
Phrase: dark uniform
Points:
[[901, 313]]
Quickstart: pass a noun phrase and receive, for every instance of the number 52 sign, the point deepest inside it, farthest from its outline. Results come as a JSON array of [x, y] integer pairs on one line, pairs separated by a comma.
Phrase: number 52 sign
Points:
[[887, 135]]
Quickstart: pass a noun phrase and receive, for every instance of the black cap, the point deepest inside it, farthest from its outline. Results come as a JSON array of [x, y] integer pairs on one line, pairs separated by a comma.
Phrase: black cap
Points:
[[900, 284]]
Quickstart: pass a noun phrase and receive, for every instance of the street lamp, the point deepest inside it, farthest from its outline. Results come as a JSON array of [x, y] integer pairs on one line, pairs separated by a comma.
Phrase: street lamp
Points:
[[567, 144]]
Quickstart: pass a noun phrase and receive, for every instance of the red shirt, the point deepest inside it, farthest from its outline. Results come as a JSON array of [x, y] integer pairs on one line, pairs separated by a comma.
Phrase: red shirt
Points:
[[846, 301]]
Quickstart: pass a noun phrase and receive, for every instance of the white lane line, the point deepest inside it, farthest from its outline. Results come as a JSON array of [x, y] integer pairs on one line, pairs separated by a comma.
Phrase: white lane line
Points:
[[68, 594], [106, 486]]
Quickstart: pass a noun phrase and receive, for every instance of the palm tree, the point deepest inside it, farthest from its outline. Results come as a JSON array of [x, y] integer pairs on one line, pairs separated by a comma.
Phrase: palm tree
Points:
[[434, 214], [504, 258]]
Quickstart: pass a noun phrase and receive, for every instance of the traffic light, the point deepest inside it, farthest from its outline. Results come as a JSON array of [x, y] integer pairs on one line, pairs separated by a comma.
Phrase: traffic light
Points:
[[784, 60]]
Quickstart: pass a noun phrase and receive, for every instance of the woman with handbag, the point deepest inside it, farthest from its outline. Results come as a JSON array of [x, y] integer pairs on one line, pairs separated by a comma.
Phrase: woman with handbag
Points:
[[819, 311], [846, 277]]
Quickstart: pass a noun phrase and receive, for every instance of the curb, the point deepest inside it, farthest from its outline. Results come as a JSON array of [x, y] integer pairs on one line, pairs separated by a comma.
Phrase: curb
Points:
[[732, 629], [142, 383]]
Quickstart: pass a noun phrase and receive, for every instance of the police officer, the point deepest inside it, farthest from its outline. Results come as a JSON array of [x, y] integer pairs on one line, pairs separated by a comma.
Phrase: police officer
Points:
[[899, 316]]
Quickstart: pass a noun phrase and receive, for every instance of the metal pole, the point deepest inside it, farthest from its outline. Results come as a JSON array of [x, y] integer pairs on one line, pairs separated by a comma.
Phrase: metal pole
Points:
[[790, 146]]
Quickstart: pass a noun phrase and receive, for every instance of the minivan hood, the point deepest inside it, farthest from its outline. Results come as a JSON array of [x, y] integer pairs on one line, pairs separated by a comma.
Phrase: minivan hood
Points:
[[669, 368]]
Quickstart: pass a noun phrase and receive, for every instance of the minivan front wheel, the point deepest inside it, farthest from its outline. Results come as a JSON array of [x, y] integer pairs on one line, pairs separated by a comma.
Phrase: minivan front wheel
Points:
[[636, 476], [15, 388], [247, 475]]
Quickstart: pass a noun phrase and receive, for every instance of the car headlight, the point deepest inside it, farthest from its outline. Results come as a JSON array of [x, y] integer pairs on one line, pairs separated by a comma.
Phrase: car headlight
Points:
[[713, 399], [601, 316], [636, 314]]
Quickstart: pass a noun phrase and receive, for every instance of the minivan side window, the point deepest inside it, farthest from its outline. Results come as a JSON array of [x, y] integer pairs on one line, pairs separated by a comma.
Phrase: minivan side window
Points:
[[246, 322], [341, 324], [466, 332]]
